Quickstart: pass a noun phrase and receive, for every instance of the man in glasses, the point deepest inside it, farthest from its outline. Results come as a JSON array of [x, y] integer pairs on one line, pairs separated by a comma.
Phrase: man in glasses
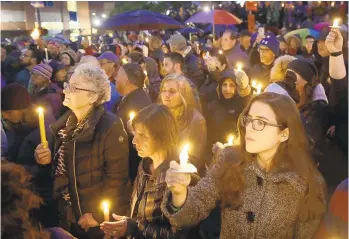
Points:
[[110, 63], [268, 51]]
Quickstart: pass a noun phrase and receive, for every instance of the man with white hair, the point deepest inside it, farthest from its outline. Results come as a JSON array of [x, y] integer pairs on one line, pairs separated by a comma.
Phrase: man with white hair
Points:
[[91, 155]]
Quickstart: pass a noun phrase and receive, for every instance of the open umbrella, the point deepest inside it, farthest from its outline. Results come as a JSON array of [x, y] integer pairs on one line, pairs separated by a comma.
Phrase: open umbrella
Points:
[[219, 28], [215, 17], [321, 26], [187, 30], [141, 20], [303, 33]]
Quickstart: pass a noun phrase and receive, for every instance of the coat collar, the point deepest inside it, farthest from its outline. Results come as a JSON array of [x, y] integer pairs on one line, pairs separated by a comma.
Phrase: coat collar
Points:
[[162, 168], [88, 129]]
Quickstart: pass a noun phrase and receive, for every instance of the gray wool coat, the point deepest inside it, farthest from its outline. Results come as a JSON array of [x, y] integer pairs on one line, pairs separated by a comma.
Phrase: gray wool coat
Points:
[[270, 209]]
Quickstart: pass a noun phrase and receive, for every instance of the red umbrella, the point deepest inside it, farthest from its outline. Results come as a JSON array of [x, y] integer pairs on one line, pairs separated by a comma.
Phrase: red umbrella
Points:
[[215, 17]]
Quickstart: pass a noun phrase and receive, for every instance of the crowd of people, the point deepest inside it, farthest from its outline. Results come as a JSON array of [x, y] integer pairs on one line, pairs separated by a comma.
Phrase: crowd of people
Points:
[[119, 111]]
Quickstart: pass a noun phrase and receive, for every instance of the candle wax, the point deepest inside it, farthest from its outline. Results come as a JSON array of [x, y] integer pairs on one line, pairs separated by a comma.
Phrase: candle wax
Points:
[[42, 127]]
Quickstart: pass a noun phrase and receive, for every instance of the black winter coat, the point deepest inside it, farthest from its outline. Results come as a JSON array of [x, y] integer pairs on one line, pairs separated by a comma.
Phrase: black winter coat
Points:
[[261, 73], [96, 163], [222, 121], [135, 101], [193, 70]]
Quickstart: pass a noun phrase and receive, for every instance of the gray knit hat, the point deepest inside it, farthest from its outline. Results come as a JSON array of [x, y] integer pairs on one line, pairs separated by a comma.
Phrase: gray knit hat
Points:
[[44, 70]]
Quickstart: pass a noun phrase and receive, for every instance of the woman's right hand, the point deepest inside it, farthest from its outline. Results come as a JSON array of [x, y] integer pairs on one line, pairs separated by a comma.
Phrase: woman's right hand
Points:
[[42, 155], [178, 184]]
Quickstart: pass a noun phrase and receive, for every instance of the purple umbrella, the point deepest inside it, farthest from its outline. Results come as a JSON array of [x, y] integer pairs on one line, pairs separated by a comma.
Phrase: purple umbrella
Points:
[[187, 30], [141, 20]]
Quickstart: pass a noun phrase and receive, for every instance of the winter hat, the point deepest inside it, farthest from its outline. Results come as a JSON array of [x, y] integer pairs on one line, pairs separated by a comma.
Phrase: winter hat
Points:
[[44, 70], [110, 56], [14, 97], [276, 88], [56, 66], [305, 68], [71, 54], [272, 43], [54, 43], [323, 34]]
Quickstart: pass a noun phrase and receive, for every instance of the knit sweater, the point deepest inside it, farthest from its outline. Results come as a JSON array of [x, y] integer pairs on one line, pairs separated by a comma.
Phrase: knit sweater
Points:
[[270, 209]]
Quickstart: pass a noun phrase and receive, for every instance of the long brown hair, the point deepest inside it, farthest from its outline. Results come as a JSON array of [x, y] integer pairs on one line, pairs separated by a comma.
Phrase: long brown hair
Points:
[[293, 154], [232, 180], [162, 126]]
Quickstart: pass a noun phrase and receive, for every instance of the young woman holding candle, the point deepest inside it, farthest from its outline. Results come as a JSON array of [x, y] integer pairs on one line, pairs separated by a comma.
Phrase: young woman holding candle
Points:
[[177, 94], [278, 194], [156, 140], [90, 155]]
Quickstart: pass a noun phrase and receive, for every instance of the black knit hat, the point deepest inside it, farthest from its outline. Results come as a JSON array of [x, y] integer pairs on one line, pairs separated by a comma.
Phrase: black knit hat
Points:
[[14, 97], [305, 68]]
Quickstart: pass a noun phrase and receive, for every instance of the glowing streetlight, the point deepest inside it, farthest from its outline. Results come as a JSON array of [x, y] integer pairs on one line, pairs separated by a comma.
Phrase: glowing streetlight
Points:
[[97, 22], [206, 8]]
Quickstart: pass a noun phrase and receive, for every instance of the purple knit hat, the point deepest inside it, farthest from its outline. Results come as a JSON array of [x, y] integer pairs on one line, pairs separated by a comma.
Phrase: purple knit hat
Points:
[[44, 70]]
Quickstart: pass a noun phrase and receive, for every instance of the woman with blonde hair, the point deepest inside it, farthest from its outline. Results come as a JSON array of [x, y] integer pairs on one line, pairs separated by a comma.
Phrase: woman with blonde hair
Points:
[[177, 94]]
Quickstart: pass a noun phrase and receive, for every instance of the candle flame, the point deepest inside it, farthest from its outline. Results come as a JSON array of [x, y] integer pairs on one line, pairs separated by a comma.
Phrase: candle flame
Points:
[[40, 110], [105, 205], [259, 88], [146, 39], [183, 156], [254, 83], [132, 115], [336, 23], [230, 139], [239, 66], [145, 73], [125, 61], [220, 52], [35, 34]]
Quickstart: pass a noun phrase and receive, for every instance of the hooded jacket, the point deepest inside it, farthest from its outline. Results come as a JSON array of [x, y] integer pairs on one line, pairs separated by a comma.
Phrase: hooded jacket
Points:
[[223, 113], [192, 68], [154, 77]]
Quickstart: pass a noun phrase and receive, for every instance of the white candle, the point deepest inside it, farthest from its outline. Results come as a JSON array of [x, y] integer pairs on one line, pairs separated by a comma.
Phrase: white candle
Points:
[[259, 88], [46, 54], [132, 115], [105, 205], [183, 156], [146, 39], [230, 139], [254, 84], [42, 127], [89, 40]]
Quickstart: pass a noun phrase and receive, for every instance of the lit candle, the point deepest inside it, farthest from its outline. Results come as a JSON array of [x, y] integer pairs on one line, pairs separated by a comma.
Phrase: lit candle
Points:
[[183, 156], [239, 66], [105, 205], [146, 39], [145, 73], [35, 34], [283, 5], [220, 52], [197, 47], [332, 4], [230, 140], [42, 127], [46, 54], [132, 115], [254, 84], [125, 61], [89, 40], [259, 89], [335, 23]]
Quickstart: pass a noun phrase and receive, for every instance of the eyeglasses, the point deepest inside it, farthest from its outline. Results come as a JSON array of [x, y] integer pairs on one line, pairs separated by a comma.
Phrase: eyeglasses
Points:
[[257, 124], [73, 89]]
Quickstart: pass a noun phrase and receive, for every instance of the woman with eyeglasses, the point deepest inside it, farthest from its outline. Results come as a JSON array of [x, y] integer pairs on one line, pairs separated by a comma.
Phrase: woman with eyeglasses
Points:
[[90, 157], [274, 191]]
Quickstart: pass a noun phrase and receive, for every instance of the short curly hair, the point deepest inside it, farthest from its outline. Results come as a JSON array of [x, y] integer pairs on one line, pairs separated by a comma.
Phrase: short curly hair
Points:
[[98, 78]]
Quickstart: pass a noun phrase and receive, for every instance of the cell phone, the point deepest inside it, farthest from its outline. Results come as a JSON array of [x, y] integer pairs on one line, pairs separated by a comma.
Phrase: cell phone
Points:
[[261, 32]]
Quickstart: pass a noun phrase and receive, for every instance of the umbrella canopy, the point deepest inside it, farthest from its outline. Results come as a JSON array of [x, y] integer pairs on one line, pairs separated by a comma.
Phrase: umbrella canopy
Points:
[[216, 17], [187, 30], [141, 20], [303, 33], [219, 28]]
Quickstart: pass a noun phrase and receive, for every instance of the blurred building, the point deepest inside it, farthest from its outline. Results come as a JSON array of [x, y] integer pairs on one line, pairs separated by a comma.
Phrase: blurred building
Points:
[[21, 17]]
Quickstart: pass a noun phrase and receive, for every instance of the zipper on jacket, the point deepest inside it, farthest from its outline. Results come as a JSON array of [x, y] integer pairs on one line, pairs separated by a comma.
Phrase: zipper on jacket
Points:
[[76, 188]]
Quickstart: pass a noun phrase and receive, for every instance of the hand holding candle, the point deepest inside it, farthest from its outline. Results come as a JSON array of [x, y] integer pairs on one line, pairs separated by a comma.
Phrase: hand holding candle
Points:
[[42, 127], [185, 166], [335, 23], [132, 115]]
